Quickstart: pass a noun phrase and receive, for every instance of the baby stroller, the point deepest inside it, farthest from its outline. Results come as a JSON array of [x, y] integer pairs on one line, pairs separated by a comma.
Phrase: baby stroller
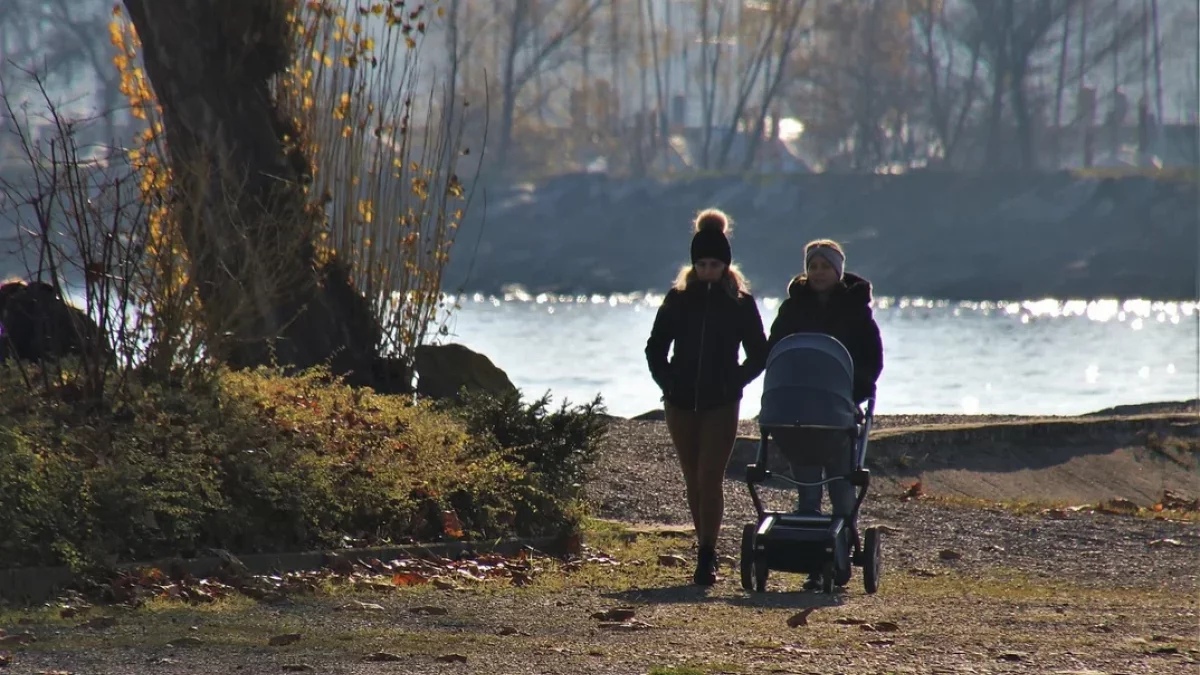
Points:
[[809, 383]]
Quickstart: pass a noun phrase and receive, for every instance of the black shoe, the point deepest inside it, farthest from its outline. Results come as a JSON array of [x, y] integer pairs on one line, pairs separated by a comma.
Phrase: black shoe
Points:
[[813, 583], [706, 567]]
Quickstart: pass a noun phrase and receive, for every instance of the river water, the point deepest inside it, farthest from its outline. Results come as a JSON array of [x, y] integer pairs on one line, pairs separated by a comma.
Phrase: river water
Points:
[[1038, 357]]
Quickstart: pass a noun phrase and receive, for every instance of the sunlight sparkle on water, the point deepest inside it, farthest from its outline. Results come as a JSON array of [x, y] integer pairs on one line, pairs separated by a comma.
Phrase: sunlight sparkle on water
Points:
[[970, 405], [1136, 311]]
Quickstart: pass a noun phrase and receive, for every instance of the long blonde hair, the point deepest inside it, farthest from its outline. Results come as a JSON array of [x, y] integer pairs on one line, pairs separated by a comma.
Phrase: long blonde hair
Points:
[[732, 280]]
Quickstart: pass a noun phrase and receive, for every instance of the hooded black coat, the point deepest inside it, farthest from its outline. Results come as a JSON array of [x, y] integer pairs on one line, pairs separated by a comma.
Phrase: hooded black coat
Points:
[[846, 315], [707, 326]]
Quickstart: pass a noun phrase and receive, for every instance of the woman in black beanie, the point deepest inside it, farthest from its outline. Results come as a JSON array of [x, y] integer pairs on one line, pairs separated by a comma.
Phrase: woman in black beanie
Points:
[[708, 315]]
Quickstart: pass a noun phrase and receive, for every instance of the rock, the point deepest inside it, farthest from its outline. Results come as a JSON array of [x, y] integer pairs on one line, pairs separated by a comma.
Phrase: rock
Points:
[[617, 614], [188, 641], [36, 324], [284, 640], [444, 370], [100, 622], [382, 657]]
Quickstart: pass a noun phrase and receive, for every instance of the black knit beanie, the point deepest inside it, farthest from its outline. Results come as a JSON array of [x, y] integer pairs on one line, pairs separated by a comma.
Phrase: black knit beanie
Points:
[[711, 243]]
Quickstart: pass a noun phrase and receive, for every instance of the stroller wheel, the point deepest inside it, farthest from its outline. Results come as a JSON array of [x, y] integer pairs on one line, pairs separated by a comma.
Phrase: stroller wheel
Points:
[[747, 567], [872, 560], [760, 576]]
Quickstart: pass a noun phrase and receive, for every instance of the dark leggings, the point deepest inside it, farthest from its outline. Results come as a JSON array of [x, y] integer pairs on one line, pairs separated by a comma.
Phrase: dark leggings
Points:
[[704, 441]]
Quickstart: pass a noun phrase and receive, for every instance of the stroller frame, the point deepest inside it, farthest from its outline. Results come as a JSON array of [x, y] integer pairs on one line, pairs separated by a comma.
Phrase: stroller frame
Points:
[[802, 543]]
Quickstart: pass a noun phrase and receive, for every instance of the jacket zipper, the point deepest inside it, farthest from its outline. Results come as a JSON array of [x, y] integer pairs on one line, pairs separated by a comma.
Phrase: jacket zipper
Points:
[[703, 330]]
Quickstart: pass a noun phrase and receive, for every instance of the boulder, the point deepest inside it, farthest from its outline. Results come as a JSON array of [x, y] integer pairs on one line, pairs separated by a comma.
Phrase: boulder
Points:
[[36, 324], [444, 370]]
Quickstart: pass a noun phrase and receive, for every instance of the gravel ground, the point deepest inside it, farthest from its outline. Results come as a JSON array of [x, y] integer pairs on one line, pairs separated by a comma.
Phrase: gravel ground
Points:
[[637, 479]]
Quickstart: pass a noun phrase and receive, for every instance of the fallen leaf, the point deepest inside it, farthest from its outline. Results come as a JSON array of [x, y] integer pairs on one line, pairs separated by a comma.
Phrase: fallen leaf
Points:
[[888, 529], [881, 643], [100, 622], [382, 657], [1158, 543], [297, 668], [727, 561], [187, 641], [507, 630], [672, 560], [443, 584], [1170, 649], [913, 491], [1175, 502], [4, 659], [617, 614], [428, 610], [68, 613], [850, 622], [451, 525], [451, 658], [626, 626], [800, 618], [1119, 505], [880, 627], [948, 554], [17, 639], [1012, 656], [358, 606], [922, 572], [284, 640], [408, 579], [1056, 514]]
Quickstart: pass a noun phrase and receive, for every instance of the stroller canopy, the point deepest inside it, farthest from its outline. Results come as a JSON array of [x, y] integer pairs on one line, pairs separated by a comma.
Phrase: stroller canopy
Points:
[[809, 382]]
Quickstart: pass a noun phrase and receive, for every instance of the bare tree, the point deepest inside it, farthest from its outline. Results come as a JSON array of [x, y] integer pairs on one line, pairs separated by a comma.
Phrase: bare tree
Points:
[[1012, 33], [861, 76], [950, 89], [785, 20], [527, 53]]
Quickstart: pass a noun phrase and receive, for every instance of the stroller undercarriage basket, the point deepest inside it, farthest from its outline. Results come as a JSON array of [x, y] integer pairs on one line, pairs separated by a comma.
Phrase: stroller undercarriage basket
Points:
[[809, 384]]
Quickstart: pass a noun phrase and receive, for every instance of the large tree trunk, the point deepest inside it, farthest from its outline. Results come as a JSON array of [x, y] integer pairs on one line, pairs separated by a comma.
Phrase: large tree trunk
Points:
[[239, 187]]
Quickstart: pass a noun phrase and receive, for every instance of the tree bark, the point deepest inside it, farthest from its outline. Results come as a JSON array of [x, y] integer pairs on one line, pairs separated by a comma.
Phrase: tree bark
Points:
[[239, 189]]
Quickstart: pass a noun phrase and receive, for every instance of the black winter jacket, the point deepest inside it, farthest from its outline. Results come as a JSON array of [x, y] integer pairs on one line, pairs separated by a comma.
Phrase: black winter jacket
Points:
[[707, 325], [846, 315]]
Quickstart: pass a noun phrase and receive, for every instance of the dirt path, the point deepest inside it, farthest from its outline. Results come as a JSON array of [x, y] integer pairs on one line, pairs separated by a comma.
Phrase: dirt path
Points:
[[1020, 591], [945, 617]]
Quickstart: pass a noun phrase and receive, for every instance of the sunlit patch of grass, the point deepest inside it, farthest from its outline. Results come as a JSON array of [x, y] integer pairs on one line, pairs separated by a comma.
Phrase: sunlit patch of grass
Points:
[[1058, 508]]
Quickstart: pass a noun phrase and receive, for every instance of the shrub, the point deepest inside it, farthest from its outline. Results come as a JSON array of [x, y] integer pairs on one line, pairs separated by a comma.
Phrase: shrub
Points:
[[257, 462], [557, 445]]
